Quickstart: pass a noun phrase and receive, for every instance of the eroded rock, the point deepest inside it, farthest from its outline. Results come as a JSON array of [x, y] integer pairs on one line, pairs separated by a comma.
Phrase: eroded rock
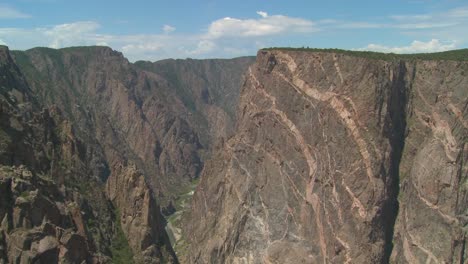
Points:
[[338, 159]]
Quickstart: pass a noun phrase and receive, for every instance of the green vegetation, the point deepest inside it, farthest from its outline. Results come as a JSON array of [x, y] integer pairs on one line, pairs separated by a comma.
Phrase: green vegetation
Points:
[[91, 224], [83, 48], [35, 77], [174, 229], [184, 199], [25, 195], [41, 79], [120, 250], [454, 55], [465, 185], [5, 140], [171, 75]]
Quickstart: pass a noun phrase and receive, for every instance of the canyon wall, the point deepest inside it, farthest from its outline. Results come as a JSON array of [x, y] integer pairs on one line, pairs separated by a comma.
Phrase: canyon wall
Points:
[[117, 141], [304, 157], [339, 159]]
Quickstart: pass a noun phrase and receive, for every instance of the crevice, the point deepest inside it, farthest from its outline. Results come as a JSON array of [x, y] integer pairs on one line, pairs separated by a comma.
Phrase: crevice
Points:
[[395, 131], [462, 251]]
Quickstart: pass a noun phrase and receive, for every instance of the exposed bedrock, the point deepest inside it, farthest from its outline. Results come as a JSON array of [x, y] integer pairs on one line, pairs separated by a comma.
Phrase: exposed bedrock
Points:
[[339, 159]]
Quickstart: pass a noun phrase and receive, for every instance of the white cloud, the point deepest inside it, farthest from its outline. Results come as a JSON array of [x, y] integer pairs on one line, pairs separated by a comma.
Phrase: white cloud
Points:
[[428, 21], [7, 12], [236, 51], [425, 25], [416, 25], [327, 21], [410, 17], [168, 29], [203, 47], [460, 12], [359, 25], [102, 43], [416, 46], [264, 26], [262, 14], [217, 41], [447, 18], [449, 25], [145, 47], [3, 42], [228, 36], [71, 34]]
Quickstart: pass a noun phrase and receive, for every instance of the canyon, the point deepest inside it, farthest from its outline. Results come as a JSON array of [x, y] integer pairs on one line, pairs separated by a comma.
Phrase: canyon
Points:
[[295, 156], [339, 158], [114, 140]]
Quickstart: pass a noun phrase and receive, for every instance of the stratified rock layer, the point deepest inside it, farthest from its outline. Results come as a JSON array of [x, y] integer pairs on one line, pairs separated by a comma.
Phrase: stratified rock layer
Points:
[[339, 159]]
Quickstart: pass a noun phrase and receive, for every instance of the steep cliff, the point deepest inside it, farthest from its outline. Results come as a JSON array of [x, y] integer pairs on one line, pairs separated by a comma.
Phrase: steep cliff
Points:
[[335, 157], [52, 203], [152, 114], [209, 89], [339, 158], [131, 114], [116, 140]]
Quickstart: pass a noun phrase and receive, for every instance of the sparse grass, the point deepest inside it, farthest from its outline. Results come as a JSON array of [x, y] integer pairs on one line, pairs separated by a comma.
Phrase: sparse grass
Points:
[[181, 248], [454, 55], [170, 73], [120, 250], [185, 195], [5, 140], [172, 218], [181, 204], [83, 186], [6, 170], [91, 223], [465, 185], [25, 195]]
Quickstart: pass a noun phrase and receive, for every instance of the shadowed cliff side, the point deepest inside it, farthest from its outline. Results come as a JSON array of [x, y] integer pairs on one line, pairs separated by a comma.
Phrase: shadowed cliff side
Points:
[[52, 207], [151, 133], [209, 89]]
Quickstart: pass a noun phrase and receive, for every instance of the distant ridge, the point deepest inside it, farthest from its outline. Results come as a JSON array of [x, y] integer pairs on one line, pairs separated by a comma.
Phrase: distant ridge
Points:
[[453, 55]]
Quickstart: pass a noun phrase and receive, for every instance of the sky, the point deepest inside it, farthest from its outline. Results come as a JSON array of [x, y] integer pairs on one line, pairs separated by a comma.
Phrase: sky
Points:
[[154, 30]]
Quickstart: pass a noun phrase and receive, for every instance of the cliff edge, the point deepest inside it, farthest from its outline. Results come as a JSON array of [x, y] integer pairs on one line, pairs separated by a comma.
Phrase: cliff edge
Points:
[[339, 159]]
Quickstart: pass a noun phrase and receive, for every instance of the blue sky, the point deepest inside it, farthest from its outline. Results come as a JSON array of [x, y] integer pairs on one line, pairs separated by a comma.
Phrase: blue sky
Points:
[[153, 30]]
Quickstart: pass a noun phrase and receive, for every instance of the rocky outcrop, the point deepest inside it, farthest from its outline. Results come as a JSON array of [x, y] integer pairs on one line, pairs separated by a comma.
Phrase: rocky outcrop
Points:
[[44, 172], [92, 122], [339, 159], [55, 209], [139, 215], [40, 225]]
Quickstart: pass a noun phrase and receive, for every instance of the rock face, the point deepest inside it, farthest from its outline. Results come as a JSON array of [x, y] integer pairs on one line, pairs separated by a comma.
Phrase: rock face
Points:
[[152, 114], [339, 159], [40, 224], [114, 140], [432, 223], [50, 192], [130, 114], [209, 89], [139, 214], [332, 158]]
